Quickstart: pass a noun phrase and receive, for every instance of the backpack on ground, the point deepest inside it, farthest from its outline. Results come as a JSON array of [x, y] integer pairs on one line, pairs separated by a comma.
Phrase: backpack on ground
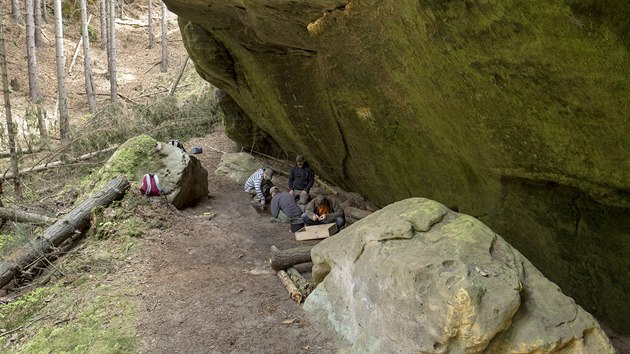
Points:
[[150, 185], [176, 143]]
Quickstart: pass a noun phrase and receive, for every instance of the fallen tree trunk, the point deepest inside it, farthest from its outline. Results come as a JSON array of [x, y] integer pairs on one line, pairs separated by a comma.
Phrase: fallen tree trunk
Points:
[[25, 216], [286, 258], [75, 221], [302, 284], [49, 165]]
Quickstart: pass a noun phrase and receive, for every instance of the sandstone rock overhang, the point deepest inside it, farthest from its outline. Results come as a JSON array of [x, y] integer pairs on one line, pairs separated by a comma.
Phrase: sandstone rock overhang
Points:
[[511, 114]]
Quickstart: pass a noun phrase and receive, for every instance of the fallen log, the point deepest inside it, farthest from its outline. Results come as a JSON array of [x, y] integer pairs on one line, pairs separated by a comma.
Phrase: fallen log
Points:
[[50, 165], [356, 213], [75, 221], [25, 216], [286, 258], [302, 284], [294, 292]]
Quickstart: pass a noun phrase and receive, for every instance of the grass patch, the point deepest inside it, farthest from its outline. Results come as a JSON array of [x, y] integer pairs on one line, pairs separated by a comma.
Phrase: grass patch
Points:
[[82, 305], [85, 307]]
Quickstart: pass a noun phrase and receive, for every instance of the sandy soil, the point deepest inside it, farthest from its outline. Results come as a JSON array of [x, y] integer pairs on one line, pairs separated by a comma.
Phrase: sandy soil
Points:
[[208, 285]]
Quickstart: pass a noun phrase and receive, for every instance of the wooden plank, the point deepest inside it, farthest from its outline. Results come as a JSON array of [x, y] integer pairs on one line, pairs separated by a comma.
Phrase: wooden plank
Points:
[[316, 232]]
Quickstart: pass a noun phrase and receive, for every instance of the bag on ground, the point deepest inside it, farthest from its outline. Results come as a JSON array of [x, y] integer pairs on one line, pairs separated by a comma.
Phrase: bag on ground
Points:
[[150, 185], [176, 143]]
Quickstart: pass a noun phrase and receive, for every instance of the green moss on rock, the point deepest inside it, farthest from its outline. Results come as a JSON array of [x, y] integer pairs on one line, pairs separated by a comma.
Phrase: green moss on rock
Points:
[[452, 101], [132, 159]]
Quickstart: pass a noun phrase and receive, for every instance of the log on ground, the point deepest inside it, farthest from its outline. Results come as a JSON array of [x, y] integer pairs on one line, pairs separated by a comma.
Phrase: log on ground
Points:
[[356, 213], [25, 216], [284, 259], [300, 282], [294, 292], [75, 221]]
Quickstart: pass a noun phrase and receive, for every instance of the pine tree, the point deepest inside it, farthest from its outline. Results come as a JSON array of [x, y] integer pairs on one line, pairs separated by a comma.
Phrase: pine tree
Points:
[[15, 9], [112, 49], [164, 51], [87, 59], [38, 23], [33, 83], [151, 40], [61, 76], [104, 18], [7, 110]]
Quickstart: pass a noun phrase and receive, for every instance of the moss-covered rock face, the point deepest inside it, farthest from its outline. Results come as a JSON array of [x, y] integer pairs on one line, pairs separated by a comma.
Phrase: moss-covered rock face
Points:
[[516, 112], [132, 159]]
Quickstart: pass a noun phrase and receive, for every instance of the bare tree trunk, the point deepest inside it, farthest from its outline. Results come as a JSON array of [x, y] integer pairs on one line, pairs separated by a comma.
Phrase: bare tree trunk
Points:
[[15, 9], [164, 52], [61, 75], [151, 40], [7, 109], [45, 10], [33, 83], [179, 77], [87, 59], [112, 49], [38, 23], [104, 33], [41, 121]]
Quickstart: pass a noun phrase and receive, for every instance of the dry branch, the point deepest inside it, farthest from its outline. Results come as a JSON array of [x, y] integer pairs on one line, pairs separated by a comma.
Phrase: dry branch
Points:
[[179, 77], [286, 258], [25, 216], [54, 164], [74, 222], [76, 50], [294, 292], [5, 154]]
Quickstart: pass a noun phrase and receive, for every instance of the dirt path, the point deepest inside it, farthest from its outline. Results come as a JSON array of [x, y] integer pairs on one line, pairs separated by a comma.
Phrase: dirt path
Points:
[[208, 287]]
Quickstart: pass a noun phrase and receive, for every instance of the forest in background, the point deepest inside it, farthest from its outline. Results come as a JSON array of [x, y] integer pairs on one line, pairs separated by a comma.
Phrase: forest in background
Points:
[[70, 104]]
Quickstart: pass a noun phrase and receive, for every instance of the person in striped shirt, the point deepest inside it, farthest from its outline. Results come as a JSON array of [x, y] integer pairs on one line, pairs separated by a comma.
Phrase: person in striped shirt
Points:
[[259, 183]]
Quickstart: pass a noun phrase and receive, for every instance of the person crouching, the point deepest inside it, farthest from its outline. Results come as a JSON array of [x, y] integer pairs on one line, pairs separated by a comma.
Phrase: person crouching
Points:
[[285, 209], [323, 210]]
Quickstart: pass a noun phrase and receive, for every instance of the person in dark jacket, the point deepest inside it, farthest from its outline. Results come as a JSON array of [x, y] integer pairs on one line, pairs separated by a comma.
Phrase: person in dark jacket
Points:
[[284, 209], [323, 210], [301, 179]]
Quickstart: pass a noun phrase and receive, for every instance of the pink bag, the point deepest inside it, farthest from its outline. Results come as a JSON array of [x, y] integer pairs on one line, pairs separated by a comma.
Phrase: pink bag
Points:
[[150, 185]]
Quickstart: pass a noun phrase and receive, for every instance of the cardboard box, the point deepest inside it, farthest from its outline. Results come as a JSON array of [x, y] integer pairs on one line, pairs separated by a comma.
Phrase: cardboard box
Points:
[[316, 232]]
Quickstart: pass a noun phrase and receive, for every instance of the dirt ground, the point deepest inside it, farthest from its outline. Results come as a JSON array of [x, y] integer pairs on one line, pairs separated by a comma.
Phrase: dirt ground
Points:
[[208, 284]]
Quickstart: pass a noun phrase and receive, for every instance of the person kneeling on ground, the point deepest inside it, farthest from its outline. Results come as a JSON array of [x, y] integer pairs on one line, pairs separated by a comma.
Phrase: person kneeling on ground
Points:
[[258, 185], [284, 209], [301, 179], [323, 210]]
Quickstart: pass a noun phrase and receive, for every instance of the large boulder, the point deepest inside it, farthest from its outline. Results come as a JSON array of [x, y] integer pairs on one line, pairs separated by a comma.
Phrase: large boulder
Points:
[[416, 277], [237, 166], [182, 177], [515, 112]]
